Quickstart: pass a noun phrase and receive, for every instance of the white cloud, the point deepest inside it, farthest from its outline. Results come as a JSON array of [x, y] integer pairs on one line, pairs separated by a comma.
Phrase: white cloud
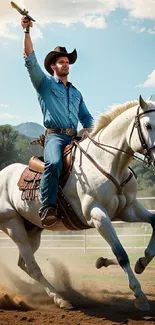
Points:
[[94, 22], [4, 43], [150, 82], [3, 105], [5, 31], [151, 30], [129, 21], [91, 13], [138, 30], [139, 8], [7, 115], [36, 33], [135, 25], [141, 30]]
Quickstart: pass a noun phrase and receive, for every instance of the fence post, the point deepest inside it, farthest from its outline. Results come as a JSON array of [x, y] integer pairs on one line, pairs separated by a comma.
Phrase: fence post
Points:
[[85, 244]]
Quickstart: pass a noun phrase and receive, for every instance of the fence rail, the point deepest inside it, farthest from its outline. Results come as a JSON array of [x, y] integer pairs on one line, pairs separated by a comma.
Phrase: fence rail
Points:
[[86, 241], [133, 236]]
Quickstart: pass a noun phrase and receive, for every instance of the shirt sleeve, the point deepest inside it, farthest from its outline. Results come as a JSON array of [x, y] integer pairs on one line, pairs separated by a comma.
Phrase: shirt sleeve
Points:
[[36, 74], [85, 117]]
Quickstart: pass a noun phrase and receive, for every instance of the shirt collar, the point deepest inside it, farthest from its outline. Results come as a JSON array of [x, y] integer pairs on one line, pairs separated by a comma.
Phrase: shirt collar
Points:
[[57, 80]]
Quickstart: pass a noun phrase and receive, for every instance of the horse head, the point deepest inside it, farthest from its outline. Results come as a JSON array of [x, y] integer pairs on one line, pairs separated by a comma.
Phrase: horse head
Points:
[[141, 132]]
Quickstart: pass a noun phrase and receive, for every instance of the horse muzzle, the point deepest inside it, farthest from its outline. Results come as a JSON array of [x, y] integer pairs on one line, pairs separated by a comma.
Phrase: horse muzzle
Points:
[[149, 157]]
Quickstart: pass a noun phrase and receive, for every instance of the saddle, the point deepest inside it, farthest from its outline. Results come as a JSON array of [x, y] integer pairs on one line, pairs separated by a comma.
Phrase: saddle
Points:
[[29, 184]]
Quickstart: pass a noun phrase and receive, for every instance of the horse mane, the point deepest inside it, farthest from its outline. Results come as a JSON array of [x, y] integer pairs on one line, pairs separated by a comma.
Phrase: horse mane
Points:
[[106, 118]]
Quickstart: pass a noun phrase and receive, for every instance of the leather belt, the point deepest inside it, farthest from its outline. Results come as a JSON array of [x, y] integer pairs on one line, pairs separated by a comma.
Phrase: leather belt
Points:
[[68, 131]]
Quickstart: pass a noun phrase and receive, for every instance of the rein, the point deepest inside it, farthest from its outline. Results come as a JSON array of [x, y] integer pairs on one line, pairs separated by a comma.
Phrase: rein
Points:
[[103, 171], [100, 145]]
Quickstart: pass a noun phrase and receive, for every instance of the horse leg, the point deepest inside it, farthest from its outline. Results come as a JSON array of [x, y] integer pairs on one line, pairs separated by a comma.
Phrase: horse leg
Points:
[[104, 226], [21, 263], [142, 262], [16, 231], [137, 213], [149, 253], [34, 236], [105, 262]]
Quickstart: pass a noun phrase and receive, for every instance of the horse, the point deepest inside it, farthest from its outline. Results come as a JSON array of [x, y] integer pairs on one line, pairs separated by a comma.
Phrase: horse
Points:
[[98, 194]]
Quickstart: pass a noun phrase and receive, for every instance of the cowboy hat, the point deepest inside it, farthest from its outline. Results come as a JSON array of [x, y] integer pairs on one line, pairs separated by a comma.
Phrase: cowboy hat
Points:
[[59, 51]]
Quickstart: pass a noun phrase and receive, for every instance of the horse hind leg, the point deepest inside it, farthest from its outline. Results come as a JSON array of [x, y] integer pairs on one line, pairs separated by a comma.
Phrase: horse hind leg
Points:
[[16, 231], [21, 264], [34, 236]]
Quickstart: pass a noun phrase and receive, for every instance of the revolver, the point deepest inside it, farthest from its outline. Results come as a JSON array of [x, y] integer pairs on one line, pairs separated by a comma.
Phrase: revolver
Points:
[[23, 12]]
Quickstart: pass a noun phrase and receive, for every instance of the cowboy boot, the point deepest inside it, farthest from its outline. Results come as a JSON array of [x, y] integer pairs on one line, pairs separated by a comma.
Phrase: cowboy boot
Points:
[[48, 215]]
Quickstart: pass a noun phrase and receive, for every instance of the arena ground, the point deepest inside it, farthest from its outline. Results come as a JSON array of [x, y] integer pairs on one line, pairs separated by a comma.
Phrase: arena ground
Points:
[[98, 296]]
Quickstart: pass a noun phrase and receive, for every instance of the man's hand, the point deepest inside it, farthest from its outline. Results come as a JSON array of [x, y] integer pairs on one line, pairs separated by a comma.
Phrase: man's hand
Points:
[[26, 23]]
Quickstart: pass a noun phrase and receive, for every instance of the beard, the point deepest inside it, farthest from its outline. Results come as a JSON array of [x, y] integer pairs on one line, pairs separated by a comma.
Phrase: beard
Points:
[[62, 72]]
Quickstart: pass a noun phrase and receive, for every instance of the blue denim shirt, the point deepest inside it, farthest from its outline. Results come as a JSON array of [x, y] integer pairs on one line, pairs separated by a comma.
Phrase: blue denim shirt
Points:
[[61, 106]]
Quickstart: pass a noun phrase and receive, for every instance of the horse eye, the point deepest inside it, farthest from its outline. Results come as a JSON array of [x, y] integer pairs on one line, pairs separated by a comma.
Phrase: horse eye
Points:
[[148, 126]]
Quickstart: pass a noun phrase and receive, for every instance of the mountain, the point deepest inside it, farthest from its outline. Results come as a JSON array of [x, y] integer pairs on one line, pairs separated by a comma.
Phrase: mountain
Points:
[[30, 129]]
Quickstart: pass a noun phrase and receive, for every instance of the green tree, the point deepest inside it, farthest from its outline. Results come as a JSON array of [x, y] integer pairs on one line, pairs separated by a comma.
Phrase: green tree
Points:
[[7, 145], [23, 149], [145, 179]]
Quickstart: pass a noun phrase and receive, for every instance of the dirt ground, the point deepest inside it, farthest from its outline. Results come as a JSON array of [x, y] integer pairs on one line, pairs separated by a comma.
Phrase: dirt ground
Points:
[[120, 310], [106, 302]]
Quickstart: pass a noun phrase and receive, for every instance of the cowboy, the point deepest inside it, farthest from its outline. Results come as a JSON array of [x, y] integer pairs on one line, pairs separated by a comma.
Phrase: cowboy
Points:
[[62, 106]]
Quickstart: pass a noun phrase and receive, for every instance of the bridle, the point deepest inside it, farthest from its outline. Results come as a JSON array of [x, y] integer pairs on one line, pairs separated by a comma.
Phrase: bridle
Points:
[[146, 150]]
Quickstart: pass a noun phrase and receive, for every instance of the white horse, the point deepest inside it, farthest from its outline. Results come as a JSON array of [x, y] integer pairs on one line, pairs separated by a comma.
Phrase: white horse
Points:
[[98, 195]]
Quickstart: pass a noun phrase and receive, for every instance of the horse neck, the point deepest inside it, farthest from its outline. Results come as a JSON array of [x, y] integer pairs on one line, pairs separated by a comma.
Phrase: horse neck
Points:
[[115, 135]]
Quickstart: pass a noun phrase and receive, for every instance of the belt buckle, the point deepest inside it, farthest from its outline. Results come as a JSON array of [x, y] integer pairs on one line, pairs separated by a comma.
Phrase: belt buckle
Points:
[[69, 131]]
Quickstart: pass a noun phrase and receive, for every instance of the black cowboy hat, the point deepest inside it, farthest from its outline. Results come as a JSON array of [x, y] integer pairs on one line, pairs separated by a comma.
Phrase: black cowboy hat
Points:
[[59, 51]]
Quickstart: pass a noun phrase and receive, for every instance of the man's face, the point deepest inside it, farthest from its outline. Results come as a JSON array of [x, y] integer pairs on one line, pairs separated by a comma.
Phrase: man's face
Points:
[[61, 66]]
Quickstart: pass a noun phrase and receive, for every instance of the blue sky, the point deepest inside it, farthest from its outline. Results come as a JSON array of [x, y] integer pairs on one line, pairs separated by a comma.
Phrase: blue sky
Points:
[[115, 41]]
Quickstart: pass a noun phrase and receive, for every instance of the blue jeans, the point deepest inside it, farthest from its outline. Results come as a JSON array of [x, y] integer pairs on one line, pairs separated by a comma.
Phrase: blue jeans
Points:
[[53, 153]]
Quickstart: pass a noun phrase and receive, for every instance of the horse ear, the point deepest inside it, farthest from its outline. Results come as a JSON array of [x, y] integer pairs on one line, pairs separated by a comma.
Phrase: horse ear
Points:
[[142, 103], [149, 98]]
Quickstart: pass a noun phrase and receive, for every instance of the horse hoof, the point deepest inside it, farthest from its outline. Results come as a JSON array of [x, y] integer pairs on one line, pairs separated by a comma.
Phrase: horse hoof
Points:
[[61, 303], [139, 267], [100, 262], [65, 305], [142, 304]]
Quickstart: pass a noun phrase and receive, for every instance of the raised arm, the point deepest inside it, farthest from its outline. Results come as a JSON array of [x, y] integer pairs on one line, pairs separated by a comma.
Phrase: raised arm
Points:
[[36, 74], [27, 42]]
